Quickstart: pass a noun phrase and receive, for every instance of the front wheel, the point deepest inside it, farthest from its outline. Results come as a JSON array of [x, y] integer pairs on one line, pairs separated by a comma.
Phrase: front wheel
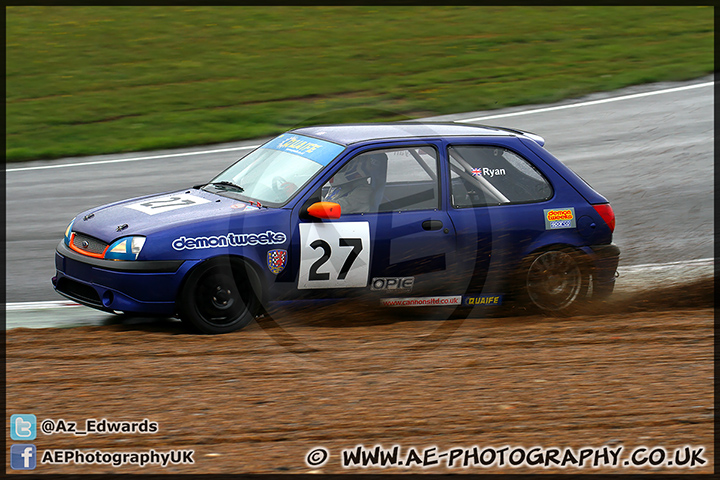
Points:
[[220, 297], [555, 281]]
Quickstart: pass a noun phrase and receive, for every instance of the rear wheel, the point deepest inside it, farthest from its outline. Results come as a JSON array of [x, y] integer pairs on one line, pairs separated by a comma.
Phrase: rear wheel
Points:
[[220, 297], [555, 281]]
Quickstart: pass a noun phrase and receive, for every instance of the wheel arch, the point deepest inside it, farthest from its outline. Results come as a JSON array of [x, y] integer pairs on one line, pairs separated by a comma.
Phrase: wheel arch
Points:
[[236, 261], [581, 255], [583, 258]]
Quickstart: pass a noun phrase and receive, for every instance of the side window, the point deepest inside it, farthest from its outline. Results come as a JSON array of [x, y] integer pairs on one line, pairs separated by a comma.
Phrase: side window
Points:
[[484, 175], [397, 179]]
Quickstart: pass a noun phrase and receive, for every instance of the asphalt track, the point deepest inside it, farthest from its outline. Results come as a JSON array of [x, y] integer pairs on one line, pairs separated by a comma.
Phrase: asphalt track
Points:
[[649, 149]]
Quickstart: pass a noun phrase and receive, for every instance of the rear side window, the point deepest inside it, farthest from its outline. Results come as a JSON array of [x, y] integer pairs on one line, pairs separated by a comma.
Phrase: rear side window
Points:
[[412, 180], [483, 175]]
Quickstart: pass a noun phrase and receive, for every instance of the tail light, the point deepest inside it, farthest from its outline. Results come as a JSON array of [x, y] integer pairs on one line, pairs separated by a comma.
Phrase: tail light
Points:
[[607, 214]]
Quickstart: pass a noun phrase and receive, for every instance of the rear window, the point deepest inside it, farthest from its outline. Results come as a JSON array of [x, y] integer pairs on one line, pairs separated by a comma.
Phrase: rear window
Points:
[[483, 175]]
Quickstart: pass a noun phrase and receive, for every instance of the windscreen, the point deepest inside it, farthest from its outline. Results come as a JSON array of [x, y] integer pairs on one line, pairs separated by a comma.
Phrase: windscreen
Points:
[[273, 173]]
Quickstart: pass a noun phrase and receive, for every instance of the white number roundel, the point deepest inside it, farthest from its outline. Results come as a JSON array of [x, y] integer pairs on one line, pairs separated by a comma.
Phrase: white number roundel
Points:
[[334, 255]]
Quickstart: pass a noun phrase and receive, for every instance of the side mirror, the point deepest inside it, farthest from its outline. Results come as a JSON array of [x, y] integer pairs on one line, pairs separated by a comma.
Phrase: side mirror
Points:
[[325, 210]]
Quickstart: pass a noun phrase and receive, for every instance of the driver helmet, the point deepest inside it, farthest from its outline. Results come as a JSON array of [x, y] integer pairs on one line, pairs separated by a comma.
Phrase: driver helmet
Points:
[[359, 169]]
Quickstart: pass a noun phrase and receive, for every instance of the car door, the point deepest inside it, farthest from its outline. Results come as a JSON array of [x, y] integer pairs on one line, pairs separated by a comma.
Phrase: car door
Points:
[[393, 239], [494, 198]]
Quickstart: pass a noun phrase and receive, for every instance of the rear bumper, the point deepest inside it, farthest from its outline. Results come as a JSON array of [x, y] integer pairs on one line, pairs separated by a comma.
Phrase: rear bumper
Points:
[[134, 287], [606, 258]]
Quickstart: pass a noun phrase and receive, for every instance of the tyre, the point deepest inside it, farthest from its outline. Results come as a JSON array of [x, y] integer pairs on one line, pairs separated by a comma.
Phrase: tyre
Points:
[[220, 296], [555, 281]]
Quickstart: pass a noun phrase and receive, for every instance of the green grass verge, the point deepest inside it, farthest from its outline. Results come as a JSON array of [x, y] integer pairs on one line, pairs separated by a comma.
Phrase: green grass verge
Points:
[[90, 80]]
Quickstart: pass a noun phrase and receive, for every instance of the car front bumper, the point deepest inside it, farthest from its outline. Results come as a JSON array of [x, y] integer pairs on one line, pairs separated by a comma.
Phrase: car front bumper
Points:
[[141, 287]]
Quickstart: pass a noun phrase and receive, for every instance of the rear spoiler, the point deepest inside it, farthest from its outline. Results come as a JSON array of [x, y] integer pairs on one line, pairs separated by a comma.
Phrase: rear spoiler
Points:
[[532, 136]]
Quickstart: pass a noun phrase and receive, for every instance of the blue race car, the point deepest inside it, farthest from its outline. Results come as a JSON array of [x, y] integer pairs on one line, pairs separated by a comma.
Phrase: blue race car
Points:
[[402, 214]]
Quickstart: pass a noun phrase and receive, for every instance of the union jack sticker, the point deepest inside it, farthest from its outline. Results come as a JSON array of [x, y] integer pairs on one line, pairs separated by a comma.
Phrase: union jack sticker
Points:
[[477, 172], [276, 260]]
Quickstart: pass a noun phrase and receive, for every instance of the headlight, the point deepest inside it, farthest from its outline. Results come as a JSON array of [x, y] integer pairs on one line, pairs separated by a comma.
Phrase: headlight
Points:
[[68, 232], [127, 248]]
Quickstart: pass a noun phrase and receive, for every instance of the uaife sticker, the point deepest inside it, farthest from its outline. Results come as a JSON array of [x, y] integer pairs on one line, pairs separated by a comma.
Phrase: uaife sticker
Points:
[[334, 255], [559, 218], [155, 205], [483, 300]]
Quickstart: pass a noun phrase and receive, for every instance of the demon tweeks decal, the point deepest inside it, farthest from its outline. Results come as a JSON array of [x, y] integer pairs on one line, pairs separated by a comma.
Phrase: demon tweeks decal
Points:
[[229, 240]]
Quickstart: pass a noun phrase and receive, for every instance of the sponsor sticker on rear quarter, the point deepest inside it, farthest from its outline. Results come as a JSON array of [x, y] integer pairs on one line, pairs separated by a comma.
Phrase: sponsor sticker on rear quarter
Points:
[[559, 218]]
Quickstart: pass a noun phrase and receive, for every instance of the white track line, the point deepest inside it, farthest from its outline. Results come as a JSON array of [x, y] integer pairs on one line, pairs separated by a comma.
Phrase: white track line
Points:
[[702, 262], [592, 102], [132, 159], [10, 307], [39, 305]]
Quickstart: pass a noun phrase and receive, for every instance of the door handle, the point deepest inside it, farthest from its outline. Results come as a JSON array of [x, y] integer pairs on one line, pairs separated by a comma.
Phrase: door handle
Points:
[[432, 225]]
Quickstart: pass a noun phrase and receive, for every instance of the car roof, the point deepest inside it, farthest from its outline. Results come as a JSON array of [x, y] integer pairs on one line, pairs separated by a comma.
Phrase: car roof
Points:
[[350, 133]]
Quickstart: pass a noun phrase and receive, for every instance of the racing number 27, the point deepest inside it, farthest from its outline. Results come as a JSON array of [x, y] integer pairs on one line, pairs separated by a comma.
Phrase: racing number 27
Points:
[[162, 204], [334, 255], [169, 202], [355, 243]]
